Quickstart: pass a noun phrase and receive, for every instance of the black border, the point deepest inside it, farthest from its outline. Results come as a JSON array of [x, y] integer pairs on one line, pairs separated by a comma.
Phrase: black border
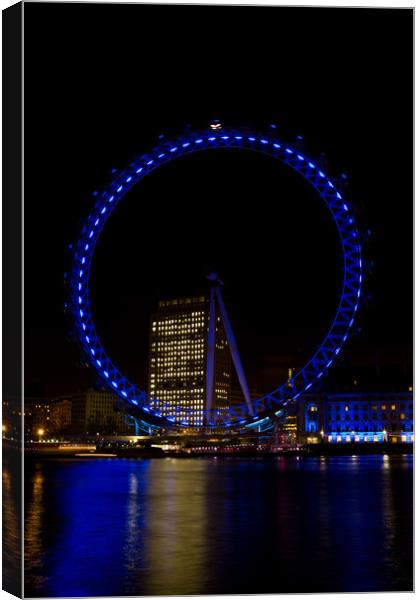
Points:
[[12, 27]]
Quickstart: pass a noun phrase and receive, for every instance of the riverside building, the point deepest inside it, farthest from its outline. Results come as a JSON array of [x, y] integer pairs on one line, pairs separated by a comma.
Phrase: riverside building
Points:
[[96, 411], [356, 417]]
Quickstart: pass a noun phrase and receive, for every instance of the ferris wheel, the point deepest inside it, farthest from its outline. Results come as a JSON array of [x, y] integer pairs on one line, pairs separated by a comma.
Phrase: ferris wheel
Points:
[[252, 413]]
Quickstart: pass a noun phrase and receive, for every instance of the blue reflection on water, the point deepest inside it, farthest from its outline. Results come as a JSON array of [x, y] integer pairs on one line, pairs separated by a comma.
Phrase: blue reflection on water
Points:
[[190, 526]]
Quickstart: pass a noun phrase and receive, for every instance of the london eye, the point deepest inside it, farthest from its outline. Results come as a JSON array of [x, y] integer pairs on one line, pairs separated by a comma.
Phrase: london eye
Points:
[[251, 414]]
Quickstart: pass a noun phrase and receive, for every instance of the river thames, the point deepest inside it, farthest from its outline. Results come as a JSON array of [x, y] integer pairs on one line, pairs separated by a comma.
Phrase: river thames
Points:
[[97, 527]]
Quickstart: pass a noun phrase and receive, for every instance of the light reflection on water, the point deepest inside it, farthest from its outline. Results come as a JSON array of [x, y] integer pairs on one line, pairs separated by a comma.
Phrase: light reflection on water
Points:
[[175, 531], [12, 538], [190, 526], [34, 522]]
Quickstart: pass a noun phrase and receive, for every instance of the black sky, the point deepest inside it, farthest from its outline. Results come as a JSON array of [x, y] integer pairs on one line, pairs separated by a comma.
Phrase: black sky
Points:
[[103, 81]]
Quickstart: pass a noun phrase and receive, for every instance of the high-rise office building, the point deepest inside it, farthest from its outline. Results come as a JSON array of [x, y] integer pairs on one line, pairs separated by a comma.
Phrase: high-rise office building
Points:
[[178, 360]]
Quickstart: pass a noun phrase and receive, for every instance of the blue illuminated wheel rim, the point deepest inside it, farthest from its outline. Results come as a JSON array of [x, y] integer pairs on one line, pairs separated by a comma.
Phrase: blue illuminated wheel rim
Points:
[[150, 409]]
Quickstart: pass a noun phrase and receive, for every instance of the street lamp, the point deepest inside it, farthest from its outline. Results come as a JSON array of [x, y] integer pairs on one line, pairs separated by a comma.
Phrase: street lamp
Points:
[[40, 433], [385, 435]]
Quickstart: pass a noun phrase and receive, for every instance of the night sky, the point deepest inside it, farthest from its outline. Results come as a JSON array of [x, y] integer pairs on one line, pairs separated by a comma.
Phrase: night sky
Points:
[[104, 81]]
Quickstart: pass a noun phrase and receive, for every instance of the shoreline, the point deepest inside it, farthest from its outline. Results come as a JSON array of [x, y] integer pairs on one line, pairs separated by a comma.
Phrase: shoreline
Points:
[[317, 450]]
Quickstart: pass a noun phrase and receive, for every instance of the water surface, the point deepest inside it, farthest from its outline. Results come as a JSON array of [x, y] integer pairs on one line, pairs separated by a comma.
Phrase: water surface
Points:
[[216, 525]]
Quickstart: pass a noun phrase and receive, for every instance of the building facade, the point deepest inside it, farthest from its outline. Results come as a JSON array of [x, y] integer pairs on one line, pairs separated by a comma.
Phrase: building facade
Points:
[[178, 359], [96, 412], [37, 419], [287, 430], [11, 420], [356, 417], [60, 415]]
